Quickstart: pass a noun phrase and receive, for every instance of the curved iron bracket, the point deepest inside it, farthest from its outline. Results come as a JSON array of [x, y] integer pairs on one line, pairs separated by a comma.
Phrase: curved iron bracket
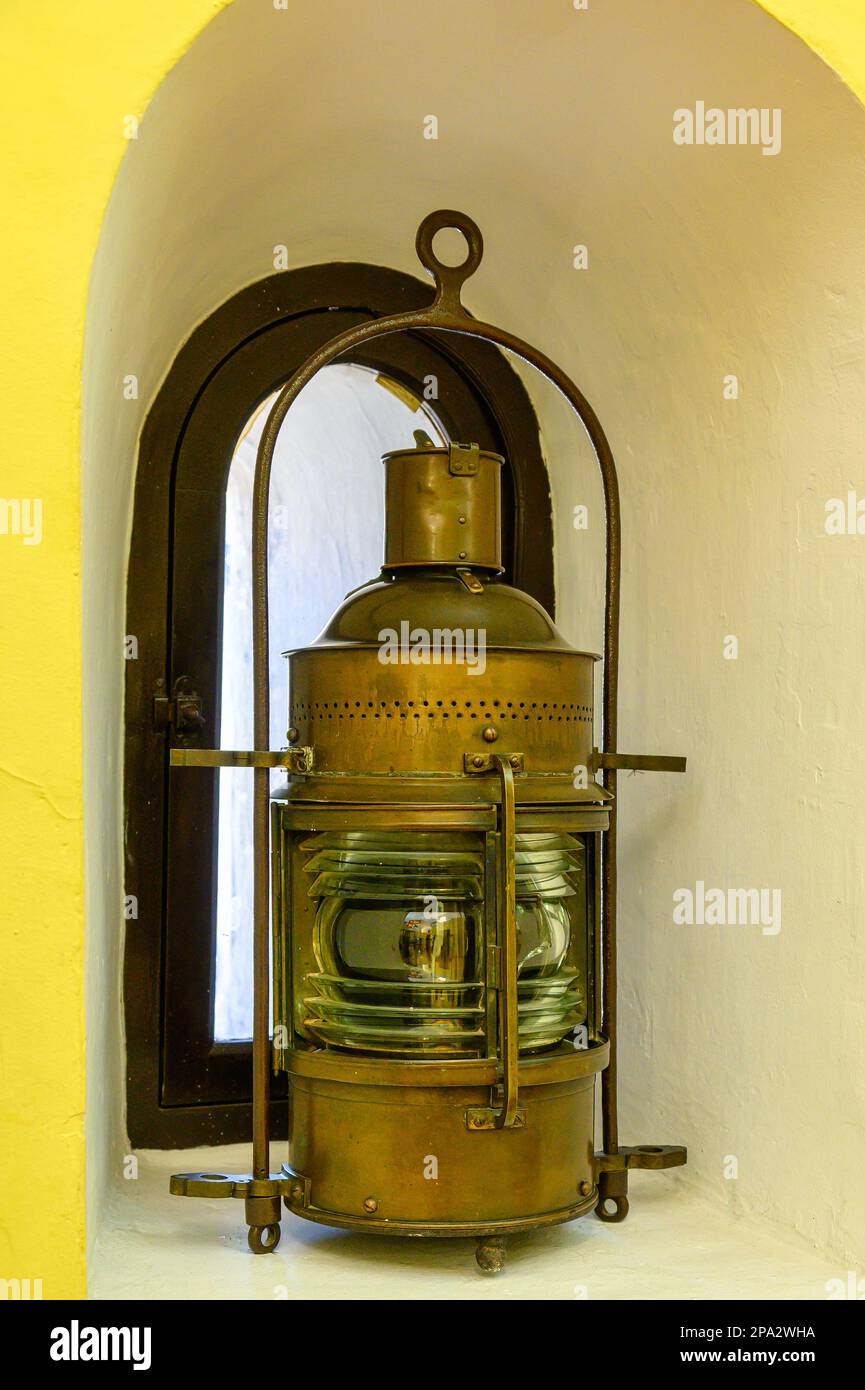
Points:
[[446, 314]]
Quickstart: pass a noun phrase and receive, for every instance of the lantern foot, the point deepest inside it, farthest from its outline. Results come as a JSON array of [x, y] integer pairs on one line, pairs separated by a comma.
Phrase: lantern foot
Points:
[[491, 1254], [262, 1218], [613, 1202], [262, 1199], [264, 1239], [612, 1209], [612, 1170]]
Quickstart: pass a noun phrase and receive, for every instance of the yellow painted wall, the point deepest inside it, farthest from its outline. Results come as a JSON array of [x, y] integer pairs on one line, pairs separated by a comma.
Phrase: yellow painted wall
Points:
[[72, 73], [833, 28]]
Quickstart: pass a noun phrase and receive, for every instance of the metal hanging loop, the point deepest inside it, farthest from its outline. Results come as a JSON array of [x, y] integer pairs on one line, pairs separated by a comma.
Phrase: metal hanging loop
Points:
[[449, 279]]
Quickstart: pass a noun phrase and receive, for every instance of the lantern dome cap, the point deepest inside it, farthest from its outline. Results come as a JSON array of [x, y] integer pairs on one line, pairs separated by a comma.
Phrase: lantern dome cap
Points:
[[440, 599]]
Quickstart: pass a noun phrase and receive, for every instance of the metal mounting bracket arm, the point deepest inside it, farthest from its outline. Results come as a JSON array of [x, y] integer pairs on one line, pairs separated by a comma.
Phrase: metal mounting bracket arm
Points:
[[637, 762]]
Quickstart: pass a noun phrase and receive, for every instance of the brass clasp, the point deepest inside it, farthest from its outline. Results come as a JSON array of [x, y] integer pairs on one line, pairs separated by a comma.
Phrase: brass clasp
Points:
[[463, 460]]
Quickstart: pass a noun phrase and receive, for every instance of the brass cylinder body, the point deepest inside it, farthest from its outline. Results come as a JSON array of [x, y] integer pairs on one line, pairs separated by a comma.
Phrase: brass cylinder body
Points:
[[392, 886], [407, 1148]]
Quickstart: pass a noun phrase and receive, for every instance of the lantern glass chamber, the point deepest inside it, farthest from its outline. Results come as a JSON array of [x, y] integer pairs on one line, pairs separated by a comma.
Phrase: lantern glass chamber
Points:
[[399, 941]]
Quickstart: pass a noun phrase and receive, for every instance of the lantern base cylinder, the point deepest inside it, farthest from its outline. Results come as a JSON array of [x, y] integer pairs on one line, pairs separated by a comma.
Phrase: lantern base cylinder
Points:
[[403, 1159]]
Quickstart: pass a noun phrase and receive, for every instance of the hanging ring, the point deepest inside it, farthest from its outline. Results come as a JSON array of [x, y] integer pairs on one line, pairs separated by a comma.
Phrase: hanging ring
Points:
[[449, 279]]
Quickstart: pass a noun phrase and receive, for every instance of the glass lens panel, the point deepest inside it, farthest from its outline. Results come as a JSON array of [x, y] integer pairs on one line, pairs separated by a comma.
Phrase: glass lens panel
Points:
[[552, 926], [399, 941]]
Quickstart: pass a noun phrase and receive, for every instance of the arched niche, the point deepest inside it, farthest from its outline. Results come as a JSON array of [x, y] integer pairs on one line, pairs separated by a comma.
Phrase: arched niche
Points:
[[702, 264]]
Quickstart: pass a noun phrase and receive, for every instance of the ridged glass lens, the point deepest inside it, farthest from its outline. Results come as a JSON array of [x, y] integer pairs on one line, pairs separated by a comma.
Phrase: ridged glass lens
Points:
[[399, 941]]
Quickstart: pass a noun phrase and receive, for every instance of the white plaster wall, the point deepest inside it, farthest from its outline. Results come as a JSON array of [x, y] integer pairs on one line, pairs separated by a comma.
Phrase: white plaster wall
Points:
[[305, 127]]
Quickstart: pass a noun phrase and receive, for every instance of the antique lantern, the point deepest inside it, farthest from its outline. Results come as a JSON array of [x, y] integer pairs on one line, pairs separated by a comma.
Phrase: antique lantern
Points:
[[442, 867]]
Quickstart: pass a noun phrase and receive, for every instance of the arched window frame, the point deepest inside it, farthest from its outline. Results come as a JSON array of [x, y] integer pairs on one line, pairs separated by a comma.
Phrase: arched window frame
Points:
[[180, 1091]]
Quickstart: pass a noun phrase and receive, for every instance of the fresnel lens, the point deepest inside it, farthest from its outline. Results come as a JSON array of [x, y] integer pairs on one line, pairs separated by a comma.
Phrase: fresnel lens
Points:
[[443, 870]]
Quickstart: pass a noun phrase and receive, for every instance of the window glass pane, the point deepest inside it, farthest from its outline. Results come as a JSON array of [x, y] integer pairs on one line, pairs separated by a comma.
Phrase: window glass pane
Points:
[[326, 538]]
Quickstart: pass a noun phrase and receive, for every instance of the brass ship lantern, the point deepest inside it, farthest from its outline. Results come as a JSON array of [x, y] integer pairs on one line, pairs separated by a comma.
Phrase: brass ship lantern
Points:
[[443, 961]]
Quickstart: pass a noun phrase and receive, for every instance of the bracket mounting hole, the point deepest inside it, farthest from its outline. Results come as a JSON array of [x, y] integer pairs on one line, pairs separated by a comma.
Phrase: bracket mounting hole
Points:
[[451, 248]]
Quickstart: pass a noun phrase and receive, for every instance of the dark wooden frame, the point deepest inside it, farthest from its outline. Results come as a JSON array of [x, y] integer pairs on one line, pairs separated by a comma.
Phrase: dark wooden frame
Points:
[[235, 359]]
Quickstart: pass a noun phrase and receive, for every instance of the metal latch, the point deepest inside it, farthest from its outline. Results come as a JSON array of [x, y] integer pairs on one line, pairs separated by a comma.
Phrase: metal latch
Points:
[[485, 1117], [486, 762], [463, 460], [471, 581], [182, 711]]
